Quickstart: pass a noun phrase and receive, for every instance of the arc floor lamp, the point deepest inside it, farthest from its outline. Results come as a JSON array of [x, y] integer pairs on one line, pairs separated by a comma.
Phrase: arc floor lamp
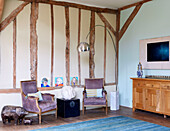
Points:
[[84, 46]]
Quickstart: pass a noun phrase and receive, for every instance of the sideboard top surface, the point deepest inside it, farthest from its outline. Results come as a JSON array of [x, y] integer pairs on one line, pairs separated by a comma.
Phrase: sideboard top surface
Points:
[[152, 79]]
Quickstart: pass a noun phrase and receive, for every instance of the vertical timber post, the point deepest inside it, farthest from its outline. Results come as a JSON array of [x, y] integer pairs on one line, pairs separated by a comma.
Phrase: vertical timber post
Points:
[[79, 29], [92, 50], [14, 52], [33, 40], [52, 44], [67, 51]]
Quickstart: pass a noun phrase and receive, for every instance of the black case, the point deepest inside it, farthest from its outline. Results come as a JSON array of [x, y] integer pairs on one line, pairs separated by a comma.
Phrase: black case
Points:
[[68, 108]]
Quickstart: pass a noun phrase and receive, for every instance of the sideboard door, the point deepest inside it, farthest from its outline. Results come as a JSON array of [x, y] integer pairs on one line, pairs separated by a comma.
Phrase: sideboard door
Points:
[[153, 100], [166, 101], [138, 97]]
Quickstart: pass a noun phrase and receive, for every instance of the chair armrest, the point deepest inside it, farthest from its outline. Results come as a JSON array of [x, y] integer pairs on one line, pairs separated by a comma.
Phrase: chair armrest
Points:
[[84, 94], [30, 103], [48, 96], [104, 93]]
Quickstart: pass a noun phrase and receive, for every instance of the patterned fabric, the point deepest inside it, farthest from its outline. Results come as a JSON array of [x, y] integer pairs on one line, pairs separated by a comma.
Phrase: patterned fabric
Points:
[[29, 87], [29, 103], [95, 101], [94, 92], [119, 123], [47, 105], [37, 94], [94, 83], [47, 96]]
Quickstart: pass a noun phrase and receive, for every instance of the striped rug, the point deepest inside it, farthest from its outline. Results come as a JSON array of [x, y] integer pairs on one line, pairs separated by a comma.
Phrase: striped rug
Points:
[[119, 123]]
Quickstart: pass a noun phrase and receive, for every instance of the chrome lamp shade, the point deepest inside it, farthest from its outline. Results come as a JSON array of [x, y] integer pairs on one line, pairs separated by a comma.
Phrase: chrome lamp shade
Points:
[[83, 46]]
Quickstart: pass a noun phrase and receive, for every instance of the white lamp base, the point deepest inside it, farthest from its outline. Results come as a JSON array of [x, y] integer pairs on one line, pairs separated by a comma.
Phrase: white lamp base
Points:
[[114, 100]]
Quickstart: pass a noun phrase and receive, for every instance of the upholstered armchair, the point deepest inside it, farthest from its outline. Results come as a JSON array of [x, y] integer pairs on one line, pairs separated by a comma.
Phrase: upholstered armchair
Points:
[[32, 104], [97, 83]]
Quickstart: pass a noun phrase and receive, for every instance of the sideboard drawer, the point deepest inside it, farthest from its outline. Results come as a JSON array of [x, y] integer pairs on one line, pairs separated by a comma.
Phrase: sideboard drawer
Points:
[[165, 85], [150, 84], [139, 83]]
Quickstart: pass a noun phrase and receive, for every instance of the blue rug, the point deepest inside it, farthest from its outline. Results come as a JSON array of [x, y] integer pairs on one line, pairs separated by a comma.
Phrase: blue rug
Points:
[[119, 123]]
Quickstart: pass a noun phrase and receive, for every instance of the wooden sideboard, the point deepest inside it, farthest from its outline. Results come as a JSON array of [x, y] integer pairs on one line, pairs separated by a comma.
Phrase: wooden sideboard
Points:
[[151, 95]]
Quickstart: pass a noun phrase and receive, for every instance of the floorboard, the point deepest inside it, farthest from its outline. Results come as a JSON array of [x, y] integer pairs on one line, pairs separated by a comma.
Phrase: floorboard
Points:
[[50, 120]]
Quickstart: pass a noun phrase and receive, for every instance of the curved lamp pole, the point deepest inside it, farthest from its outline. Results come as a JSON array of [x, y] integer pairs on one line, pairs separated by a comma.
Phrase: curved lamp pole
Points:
[[84, 46]]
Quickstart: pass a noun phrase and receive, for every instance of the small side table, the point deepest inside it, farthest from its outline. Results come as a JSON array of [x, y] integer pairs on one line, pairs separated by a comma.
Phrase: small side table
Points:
[[68, 108]]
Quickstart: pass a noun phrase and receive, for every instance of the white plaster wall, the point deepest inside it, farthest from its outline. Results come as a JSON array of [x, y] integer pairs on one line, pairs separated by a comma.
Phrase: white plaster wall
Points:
[[44, 49]]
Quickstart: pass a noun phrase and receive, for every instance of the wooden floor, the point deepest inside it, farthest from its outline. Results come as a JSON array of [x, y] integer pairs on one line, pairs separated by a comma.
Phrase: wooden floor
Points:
[[50, 120]]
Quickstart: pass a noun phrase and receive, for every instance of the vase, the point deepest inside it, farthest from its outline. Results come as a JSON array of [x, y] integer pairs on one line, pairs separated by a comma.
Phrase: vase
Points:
[[139, 72]]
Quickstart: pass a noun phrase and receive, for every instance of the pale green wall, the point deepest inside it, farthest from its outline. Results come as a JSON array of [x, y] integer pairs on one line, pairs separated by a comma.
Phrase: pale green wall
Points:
[[153, 20]]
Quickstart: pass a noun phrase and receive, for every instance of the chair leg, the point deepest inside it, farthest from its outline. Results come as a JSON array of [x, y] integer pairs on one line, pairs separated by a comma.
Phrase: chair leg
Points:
[[56, 113], [106, 109], [83, 108], [40, 118]]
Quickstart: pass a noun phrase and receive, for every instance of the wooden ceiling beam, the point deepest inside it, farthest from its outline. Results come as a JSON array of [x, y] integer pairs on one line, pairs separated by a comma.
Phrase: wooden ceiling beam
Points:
[[12, 16], [74, 5], [1, 8], [129, 20], [135, 4], [108, 25]]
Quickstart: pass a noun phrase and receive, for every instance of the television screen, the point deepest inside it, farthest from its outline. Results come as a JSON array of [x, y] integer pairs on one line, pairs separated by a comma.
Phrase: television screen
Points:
[[158, 51]]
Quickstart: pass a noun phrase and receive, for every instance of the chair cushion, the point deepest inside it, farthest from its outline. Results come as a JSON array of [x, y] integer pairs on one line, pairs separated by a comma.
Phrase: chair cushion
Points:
[[94, 83], [94, 101], [29, 86], [47, 105], [94, 92], [37, 94]]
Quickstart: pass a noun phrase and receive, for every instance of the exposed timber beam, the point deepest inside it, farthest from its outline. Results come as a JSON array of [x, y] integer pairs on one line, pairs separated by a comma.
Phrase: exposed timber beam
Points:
[[117, 45], [92, 50], [74, 5], [33, 40], [135, 4], [1, 8], [67, 51], [14, 51], [129, 20], [108, 25], [12, 16], [105, 41], [52, 44], [79, 30]]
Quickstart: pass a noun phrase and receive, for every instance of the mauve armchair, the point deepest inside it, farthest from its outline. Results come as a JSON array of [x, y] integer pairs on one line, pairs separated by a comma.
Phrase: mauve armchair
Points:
[[97, 83], [32, 104]]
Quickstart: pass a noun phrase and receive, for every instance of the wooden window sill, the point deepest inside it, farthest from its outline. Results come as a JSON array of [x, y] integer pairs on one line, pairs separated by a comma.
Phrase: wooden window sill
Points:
[[17, 90]]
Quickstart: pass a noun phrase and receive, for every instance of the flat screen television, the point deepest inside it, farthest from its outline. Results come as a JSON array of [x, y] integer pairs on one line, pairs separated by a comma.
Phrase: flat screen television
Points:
[[158, 52], [154, 53]]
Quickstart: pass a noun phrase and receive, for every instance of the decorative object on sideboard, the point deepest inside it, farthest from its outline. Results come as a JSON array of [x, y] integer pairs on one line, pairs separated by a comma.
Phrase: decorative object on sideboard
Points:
[[68, 93], [15, 113], [140, 72]]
